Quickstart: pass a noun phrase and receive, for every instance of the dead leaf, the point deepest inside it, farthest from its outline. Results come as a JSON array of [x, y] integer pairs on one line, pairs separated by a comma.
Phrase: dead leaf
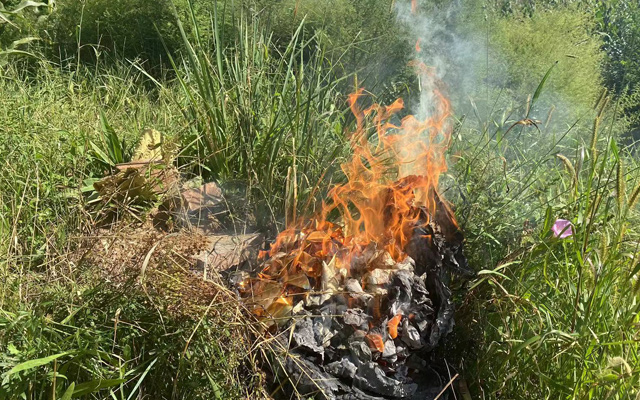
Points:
[[150, 146], [298, 280], [280, 310], [375, 342], [392, 325]]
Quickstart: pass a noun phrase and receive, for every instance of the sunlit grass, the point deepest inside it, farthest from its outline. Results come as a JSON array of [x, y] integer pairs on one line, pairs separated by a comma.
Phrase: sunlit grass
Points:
[[556, 318], [547, 317]]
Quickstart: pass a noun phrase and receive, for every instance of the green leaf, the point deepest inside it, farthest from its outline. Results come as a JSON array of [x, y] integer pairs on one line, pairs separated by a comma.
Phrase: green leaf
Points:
[[635, 271], [26, 4], [114, 146], [514, 352], [101, 155], [609, 377], [95, 385], [495, 271], [144, 374], [22, 41], [17, 52], [69, 392], [216, 388], [538, 91], [525, 344], [548, 221], [11, 348], [35, 363], [489, 272], [5, 20]]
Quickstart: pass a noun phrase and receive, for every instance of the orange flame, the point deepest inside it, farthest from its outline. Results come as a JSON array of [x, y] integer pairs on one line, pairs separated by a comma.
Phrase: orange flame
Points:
[[393, 326], [391, 178], [394, 169]]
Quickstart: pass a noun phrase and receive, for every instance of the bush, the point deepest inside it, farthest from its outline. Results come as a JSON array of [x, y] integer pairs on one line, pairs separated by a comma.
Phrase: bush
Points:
[[132, 29], [525, 48], [19, 23]]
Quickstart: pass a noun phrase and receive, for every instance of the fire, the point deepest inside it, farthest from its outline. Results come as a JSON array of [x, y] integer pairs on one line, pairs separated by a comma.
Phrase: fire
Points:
[[394, 170], [390, 190], [361, 288]]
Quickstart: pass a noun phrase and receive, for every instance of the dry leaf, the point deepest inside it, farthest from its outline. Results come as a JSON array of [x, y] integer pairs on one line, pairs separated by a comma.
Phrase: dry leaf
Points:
[[392, 325], [298, 280], [375, 342], [150, 147], [280, 310]]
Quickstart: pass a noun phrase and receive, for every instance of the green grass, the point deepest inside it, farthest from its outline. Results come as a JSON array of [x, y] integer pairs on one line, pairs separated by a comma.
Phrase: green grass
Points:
[[268, 116], [98, 341], [46, 124], [557, 318], [546, 318]]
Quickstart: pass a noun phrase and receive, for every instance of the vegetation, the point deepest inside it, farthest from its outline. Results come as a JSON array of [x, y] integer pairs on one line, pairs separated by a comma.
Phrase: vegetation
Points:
[[558, 317], [525, 49], [262, 114], [253, 94]]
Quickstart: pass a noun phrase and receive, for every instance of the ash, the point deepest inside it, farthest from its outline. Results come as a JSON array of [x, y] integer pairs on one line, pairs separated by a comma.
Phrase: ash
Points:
[[355, 322]]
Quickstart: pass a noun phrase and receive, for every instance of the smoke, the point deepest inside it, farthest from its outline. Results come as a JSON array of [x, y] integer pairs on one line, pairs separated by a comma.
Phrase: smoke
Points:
[[454, 55], [455, 38], [486, 87]]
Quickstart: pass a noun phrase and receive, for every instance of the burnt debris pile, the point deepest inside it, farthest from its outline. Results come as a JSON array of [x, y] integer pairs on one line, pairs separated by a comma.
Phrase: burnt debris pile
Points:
[[356, 320]]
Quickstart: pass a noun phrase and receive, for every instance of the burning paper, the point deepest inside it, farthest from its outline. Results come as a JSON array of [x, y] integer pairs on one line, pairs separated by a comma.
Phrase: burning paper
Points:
[[366, 300]]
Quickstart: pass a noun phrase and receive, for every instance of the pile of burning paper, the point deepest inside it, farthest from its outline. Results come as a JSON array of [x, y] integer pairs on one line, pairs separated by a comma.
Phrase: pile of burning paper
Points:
[[359, 307], [357, 323]]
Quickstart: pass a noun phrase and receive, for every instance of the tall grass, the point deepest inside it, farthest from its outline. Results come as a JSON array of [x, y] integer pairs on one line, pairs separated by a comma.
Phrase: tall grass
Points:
[[265, 115], [555, 318]]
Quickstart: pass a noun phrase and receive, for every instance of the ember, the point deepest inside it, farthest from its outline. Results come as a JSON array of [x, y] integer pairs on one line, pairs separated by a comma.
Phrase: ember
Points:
[[363, 303]]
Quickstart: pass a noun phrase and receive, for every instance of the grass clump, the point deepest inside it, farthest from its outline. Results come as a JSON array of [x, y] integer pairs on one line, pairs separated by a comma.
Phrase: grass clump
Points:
[[267, 117], [97, 341]]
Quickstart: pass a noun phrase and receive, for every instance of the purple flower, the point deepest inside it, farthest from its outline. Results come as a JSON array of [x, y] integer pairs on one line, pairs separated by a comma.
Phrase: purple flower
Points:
[[562, 229]]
